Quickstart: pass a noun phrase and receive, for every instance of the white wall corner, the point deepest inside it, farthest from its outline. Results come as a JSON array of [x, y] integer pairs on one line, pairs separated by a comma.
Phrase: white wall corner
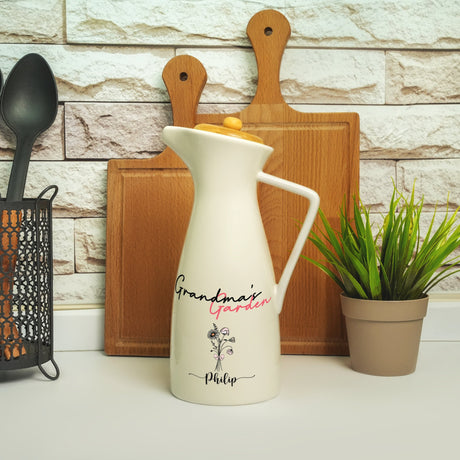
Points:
[[76, 330], [442, 321]]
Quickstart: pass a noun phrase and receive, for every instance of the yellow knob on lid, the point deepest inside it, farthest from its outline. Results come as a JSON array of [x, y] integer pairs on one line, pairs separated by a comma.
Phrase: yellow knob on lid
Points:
[[233, 123], [231, 127]]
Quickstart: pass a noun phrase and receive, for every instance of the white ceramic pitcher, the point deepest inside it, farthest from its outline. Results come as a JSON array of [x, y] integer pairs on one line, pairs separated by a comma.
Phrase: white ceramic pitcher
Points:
[[225, 339]]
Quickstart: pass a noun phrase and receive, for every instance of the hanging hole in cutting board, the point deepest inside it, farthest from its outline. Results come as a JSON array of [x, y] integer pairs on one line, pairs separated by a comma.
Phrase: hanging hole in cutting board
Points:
[[183, 76], [268, 31]]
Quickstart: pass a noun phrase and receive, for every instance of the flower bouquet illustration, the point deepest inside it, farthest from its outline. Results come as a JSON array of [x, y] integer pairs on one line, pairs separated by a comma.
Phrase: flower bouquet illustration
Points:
[[221, 344]]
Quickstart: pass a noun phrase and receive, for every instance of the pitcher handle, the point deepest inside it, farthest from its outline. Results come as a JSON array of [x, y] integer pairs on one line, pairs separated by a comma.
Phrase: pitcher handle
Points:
[[313, 197]]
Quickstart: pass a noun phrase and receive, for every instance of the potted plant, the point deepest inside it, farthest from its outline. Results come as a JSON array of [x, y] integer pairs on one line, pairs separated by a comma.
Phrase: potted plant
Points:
[[385, 273]]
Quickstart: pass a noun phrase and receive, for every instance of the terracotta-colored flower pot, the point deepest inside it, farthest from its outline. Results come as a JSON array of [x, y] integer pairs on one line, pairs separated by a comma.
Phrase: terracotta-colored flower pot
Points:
[[383, 335]]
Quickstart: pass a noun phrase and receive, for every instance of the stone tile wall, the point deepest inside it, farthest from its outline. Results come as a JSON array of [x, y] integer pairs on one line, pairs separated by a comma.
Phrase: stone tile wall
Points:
[[395, 62]]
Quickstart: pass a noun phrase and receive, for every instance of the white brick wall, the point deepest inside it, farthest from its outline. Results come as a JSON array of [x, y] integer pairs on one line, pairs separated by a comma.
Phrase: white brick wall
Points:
[[395, 62]]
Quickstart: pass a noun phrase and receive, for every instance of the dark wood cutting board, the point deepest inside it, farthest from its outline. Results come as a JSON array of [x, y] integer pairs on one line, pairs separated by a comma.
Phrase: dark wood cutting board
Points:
[[319, 150]]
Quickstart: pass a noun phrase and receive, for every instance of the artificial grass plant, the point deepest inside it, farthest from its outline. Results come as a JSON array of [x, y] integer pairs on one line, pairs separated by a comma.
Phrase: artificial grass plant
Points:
[[393, 262]]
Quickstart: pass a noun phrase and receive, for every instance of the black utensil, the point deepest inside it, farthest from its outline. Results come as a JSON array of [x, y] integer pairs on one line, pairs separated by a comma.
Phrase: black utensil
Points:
[[28, 105]]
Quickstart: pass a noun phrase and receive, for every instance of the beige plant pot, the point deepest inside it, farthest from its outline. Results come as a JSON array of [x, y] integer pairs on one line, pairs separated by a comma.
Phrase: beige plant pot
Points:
[[383, 335]]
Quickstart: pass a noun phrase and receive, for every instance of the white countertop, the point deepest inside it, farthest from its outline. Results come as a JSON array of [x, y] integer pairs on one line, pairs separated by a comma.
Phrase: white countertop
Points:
[[121, 408]]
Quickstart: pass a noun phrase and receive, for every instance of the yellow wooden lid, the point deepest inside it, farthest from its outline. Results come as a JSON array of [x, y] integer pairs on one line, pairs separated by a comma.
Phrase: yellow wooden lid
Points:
[[231, 127]]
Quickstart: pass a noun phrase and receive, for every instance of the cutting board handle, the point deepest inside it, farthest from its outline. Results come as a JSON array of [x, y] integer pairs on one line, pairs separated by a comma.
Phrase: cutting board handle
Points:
[[269, 32], [184, 77]]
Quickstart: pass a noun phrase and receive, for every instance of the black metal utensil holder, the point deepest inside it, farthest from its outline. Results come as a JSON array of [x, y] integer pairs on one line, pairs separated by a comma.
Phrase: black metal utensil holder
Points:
[[26, 283]]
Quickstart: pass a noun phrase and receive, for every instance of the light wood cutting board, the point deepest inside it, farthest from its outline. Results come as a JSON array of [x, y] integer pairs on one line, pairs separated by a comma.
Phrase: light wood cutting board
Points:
[[319, 150], [148, 207]]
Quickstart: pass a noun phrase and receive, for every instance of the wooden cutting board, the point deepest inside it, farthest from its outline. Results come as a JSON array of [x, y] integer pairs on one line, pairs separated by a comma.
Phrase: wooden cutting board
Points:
[[319, 150], [148, 208]]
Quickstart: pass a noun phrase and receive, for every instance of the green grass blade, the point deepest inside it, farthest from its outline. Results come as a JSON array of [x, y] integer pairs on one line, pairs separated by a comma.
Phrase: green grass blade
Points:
[[327, 271], [375, 286]]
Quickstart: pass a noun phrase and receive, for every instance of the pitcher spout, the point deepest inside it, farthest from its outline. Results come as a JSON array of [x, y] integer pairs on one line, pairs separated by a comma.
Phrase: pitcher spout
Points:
[[178, 139]]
